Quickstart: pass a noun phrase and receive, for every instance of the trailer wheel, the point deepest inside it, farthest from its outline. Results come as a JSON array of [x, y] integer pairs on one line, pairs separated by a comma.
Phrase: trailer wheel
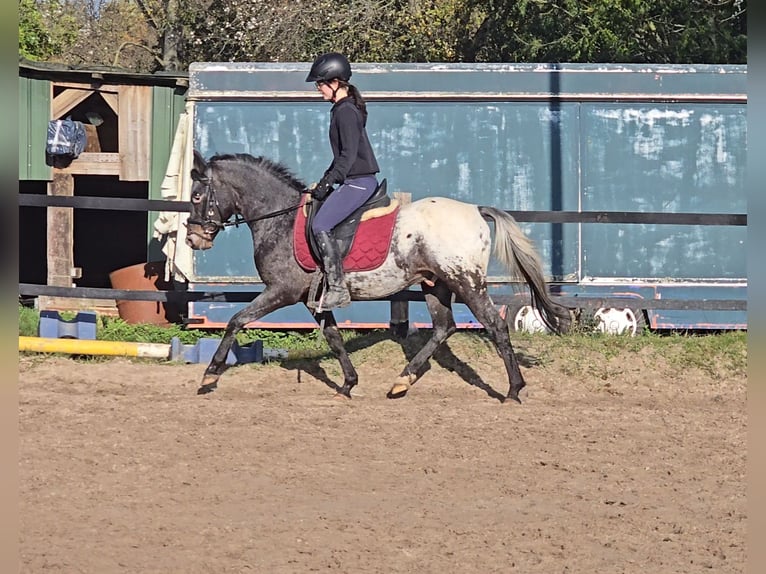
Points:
[[522, 317], [625, 321]]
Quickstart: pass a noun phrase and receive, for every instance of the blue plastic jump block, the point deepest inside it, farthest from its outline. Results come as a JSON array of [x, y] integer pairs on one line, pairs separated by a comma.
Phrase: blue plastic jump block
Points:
[[52, 326], [204, 349]]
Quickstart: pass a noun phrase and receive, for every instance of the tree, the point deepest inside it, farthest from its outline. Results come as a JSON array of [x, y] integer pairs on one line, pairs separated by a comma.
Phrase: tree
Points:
[[289, 30], [164, 17], [115, 33], [147, 35], [34, 40], [47, 28], [673, 31]]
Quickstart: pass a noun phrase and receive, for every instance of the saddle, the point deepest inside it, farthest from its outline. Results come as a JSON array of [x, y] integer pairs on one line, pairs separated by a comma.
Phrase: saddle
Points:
[[344, 232], [363, 237]]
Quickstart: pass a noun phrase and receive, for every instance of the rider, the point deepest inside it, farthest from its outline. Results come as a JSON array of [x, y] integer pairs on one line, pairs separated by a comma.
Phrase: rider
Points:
[[353, 166]]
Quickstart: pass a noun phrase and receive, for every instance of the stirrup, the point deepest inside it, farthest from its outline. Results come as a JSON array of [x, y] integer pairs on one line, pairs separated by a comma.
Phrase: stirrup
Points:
[[313, 302], [342, 299]]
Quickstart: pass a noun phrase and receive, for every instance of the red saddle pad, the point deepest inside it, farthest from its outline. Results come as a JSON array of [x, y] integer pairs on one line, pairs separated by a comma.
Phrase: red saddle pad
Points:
[[368, 250]]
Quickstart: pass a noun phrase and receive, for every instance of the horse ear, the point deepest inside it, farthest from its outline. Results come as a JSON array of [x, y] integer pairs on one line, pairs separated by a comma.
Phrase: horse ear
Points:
[[200, 167]]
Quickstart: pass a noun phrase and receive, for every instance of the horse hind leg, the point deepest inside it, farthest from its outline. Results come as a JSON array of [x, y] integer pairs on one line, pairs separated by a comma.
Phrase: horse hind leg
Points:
[[481, 306], [438, 299]]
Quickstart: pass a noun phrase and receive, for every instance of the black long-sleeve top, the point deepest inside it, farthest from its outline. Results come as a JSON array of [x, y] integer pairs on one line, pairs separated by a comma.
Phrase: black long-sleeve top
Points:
[[351, 149]]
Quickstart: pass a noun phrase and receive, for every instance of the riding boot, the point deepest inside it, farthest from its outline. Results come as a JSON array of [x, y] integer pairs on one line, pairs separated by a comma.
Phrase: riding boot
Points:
[[337, 294]]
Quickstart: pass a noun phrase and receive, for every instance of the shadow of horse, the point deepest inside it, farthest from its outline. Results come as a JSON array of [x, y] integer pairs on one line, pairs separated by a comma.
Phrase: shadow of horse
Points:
[[410, 345]]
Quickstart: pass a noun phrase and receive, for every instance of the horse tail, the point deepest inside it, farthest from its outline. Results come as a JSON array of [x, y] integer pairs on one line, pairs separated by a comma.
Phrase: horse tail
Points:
[[519, 256]]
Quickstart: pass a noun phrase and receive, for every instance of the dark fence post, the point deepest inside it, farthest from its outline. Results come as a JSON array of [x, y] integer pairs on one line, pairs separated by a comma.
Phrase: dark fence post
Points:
[[399, 323]]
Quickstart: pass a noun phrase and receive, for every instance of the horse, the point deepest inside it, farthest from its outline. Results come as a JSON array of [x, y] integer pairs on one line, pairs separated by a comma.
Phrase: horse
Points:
[[440, 243]]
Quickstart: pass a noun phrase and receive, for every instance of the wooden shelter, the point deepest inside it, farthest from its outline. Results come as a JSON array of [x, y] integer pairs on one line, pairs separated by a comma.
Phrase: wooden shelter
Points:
[[130, 121]]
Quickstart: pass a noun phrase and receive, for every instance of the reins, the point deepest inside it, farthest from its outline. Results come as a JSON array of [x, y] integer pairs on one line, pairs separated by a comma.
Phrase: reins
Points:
[[238, 219], [212, 202]]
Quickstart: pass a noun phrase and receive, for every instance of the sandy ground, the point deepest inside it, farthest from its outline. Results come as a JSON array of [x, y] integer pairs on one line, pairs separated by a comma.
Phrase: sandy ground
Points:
[[626, 467]]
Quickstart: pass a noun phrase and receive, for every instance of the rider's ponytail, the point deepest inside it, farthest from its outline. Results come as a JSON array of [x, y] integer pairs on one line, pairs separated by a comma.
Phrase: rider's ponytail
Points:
[[359, 102]]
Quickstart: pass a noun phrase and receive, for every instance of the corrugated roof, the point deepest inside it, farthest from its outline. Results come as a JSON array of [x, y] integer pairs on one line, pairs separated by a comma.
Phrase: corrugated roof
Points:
[[62, 72]]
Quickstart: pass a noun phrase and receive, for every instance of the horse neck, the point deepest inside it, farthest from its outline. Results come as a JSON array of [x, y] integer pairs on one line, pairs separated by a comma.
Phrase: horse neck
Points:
[[262, 194]]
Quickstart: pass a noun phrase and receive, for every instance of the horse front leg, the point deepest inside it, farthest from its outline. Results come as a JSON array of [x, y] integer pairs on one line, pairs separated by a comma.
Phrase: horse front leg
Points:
[[332, 335], [265, 303]]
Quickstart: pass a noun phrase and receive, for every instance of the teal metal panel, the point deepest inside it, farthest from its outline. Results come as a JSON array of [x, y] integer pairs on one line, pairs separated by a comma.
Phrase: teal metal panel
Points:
[[645, 81], [512, 156], [521, 137], [670, 158], [34, 113]]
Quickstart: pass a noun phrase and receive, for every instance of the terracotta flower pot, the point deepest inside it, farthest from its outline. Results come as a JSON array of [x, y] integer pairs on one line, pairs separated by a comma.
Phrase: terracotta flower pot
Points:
[[142, 277]]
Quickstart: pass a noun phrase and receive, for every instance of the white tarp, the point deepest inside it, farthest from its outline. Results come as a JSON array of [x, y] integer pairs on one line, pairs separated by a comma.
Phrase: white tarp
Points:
[[170, 226]]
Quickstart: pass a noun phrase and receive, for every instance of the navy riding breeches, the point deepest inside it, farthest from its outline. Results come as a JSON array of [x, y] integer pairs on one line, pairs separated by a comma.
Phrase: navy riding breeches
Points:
[[343, 202]]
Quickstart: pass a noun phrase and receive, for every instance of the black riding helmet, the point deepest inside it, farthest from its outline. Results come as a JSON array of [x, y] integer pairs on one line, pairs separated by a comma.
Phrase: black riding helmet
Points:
[[330, 66]]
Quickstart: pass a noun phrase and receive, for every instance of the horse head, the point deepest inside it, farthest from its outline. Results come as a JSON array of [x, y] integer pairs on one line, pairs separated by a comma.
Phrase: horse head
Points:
[[209, 210]]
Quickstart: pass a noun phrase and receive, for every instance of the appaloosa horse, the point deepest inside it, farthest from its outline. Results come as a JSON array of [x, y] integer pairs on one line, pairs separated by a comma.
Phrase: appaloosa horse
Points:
[[440, 243]]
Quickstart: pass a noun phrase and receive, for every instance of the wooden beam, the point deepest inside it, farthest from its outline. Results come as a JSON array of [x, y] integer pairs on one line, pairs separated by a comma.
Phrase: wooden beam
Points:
[[399, 322], [67, 100], [89, 163], [135, 142], [92, 143], [110, 93], [60, 237], [112, 100], [94, 86]]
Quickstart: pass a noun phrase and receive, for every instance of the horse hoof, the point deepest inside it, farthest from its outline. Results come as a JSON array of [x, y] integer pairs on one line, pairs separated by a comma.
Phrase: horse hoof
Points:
[[401, 386], [209, 384], [513, 398], [341, 397], [398, 391], [205, 389]]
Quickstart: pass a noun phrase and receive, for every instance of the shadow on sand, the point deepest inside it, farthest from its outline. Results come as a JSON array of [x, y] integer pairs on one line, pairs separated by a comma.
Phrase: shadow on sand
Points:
[[410, 345]]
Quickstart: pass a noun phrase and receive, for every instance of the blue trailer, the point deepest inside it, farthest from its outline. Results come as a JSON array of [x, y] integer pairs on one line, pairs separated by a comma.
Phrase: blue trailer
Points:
[[520, 137]]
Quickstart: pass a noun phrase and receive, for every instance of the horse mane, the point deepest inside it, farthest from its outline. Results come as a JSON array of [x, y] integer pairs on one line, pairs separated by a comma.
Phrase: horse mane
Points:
[[276, 169]]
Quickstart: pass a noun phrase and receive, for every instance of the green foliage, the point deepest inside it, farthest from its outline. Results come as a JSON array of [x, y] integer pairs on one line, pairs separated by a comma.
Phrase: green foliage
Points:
[[716, 354], [29, 322], [35, 42], [631, 31], [47, 28], [145, 33], [726, 350]]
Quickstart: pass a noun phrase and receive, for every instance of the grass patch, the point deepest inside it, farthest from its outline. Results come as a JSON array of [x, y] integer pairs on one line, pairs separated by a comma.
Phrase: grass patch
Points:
[[29, 322], [713, 353], [116, 329]]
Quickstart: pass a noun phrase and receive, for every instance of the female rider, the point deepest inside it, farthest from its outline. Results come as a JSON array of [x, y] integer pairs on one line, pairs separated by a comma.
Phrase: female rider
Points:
[[353, 166]]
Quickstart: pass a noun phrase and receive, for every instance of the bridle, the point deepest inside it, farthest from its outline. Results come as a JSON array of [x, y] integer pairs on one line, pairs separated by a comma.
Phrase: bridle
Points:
[[211, 225]]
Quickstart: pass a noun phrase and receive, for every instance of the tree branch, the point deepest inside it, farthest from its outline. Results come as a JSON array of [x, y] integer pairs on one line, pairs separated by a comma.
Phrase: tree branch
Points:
[[126, 44], [142, 6]]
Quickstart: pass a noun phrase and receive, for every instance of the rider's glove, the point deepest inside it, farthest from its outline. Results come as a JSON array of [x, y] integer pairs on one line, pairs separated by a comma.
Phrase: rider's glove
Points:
[[322, 190]]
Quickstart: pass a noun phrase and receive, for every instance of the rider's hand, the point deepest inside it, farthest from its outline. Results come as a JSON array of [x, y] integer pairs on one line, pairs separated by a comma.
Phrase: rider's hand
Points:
[[322, 189]]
